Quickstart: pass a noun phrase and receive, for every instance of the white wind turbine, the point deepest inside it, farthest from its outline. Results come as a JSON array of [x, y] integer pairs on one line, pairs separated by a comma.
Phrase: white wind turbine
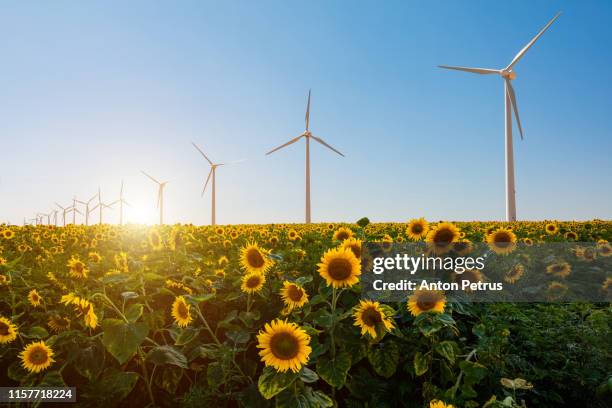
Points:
[[211, 174], [160, 196], [100, 206], [307, 135], [87, 209], [508, 74], [120, 201], [64, 211]]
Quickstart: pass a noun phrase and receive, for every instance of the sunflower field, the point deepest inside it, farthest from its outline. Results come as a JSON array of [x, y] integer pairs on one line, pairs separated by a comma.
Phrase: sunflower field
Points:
[[272, 315]]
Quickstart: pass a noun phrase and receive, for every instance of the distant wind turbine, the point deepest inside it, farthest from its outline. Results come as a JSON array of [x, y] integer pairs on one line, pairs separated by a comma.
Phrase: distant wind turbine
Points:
[[160, 196], [100, 206], [307, 135], [87, 209], [508, 74], [212, 173], [64, 211], [120, 201]]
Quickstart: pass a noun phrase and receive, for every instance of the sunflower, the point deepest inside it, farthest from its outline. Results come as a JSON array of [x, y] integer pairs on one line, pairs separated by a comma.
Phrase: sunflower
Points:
[[471, 275], [551, 228], [463, 247], [605, 249], [34, 298], [560, 269], [4, 280], [8, 234], [58, 323], [121, 261], [502, 241], [155, 240], [342, 233], [284, 346], [94, 257], [181, 312], [528, 241], [90, 317], [36, 357], [426, 301], [556, 290], [220, 273], [222, 261], [8, 331], [340, 268], [372, 319], [606, 285], [292, 235], [255, 259], [441, 237], [439, 404], [252, 282], [354, 245], [571, 235], [515, 273], [294, 296], [77, 268], [3, 261], [417, 229]]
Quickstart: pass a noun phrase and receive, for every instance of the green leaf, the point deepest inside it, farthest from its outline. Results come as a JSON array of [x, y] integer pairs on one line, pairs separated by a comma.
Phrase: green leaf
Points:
[[113, 386], [421, 364], [238, 336], [447, 350], [214, 375], [166, 355], [384, 358], [52, 379], [200, 298], [36, 332], [134, 312], [186, 335], [304, 398], [474, 372], [122, 339], [334, 371], [271, 382], [129, 295], [308, 376], [90, 360]]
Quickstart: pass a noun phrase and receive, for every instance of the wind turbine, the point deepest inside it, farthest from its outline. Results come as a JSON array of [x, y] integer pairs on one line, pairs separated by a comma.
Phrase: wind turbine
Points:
[[120, 201], [87, 210], [100, 206], [160, 196], [508, 75], [307, 135], [212, 172], [65, 210]]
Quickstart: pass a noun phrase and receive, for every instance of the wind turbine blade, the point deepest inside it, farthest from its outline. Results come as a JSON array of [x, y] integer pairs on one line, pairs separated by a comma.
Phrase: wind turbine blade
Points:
[[92, 198], [533, 40], [202, 153], [207, 180], [60, 206], [114, 202], [286, 144], [76, 210], [121, 190], [94, 208], [514, 106], [126, 203], [150, 177], [159, 197], [308, 111], [326, 145], [484, 71]]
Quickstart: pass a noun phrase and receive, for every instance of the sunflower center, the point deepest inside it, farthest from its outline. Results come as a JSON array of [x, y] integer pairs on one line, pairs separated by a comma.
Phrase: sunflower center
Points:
[[558, 268], [339, 269], [182, 310], [342, 235], [253, 282], [78, 267], [38, 356], [417, 229], [254, 258], [294, 293], [371, 317], [502, 239], [356, 249], [284, 346], [427, 301], [443, 236], [4, 329]]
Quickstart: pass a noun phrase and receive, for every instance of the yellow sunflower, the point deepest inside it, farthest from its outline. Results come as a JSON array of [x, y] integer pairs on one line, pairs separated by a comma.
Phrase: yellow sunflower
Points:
[[515, 273], [340, 268], [155, 240], [34, 298], [426, 301], [255, 259], [36, 357], [293, 295], [342, 233], [372, 319], [3, 261], [252, 282], [181, 312], [292, 235], [560, 269], [354, 245], [284, 346], [8, 234], [417, 228], [4, 280], [58, 323], [441, 237], [8, 331], [605, 250], [439, 404], [502, 241], [551, 228], [222, 261], [77, 268], [463, 247], [94, 257]]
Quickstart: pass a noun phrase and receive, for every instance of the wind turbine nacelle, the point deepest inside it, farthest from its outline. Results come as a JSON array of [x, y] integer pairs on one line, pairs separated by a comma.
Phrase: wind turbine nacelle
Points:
[[510, 74]]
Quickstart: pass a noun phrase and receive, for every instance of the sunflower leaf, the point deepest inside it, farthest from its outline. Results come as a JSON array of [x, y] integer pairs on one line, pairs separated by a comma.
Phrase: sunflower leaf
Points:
[[167, 355], [384, 359], [122, 339], [271, 382], [334, 371]]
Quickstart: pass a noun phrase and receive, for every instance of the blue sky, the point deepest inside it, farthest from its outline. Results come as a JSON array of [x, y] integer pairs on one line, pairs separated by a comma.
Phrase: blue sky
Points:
[[93, 92]]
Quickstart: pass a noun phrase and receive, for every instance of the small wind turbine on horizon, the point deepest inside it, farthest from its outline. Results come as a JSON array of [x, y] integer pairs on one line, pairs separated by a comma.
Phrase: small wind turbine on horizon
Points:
[[87, 209], [100, 206], [211, 174], [508, 74], [160, 196], [307, 135], [120, 201]]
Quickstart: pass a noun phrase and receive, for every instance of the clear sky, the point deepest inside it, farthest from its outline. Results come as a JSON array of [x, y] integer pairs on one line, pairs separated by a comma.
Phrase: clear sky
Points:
[[93, 92]]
